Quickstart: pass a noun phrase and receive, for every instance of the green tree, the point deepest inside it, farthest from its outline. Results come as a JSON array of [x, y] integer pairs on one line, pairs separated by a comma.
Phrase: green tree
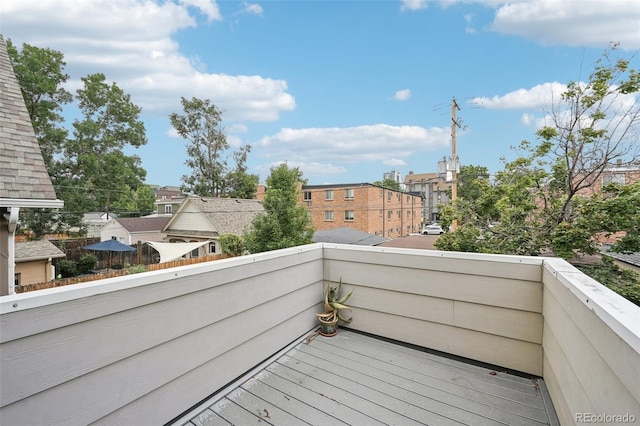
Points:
[[207, 149], [540, 197], [285, 223], [141, 202], [94, 172], [388, 183], [231, 244]]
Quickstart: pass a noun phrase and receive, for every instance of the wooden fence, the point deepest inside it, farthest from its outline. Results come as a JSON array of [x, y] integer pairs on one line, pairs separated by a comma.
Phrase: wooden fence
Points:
[[110, 273]]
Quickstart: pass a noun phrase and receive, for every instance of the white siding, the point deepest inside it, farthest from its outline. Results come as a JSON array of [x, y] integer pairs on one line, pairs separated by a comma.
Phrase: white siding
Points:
[[591, 346], [150, 346]]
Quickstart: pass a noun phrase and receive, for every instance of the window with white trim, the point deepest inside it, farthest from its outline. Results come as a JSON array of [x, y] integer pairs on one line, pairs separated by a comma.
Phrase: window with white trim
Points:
[[348, 194]]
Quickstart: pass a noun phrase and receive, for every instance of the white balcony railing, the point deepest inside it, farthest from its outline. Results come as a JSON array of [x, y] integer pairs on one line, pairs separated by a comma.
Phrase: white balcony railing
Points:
[[149, 346]]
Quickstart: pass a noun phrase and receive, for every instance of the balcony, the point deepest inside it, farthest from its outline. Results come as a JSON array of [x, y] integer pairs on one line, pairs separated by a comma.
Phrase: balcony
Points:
[[147, 348]]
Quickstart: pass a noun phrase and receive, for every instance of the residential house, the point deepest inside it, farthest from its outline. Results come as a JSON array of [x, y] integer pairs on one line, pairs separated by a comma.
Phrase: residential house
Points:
[[201, 219], [168, 199], [366, 207], [24, 181], [130, 230], [95, 221], [169, 205], [432, 188], [34, 261]]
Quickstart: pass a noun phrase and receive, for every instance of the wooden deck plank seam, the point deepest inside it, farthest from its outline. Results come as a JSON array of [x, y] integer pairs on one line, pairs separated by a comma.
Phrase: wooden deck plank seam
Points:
[[462, 400]]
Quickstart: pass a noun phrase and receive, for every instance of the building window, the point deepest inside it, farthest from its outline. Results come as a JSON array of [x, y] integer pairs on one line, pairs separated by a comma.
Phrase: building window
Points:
[[348, 194], [212, 248], [399, 214], [194, 252], [389, 213], [17, 279], [349, 215], [408, 213], [306, 195], [309, 219], [167, 209], [614, 178], [380, 213], [389, 196], [328, 215], [328, 194]]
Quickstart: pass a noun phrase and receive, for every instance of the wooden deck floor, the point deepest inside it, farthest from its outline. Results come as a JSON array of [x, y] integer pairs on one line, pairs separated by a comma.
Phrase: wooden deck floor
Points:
[[361, 380]]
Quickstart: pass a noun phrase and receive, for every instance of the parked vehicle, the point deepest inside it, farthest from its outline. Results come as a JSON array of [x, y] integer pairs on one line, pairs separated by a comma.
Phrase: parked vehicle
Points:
[[433, 230]]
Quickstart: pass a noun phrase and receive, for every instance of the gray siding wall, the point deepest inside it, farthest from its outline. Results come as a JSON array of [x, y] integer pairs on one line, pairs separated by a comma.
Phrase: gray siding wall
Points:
[[149, 346], [484, 307], [591, 348]]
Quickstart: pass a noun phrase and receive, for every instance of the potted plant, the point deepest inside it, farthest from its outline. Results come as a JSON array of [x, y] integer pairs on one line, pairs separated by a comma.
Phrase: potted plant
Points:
[[334, 304]]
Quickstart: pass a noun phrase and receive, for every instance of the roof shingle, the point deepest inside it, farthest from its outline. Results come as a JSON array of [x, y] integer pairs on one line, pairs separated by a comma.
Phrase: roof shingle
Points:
[[23, 174]]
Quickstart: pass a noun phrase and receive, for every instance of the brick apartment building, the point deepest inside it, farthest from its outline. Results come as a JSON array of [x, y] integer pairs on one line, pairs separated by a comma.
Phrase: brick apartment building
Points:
[[624, 174], [370, 208]]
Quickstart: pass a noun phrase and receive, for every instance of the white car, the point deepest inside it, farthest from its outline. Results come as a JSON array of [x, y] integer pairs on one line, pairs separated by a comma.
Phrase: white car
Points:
[[433, 230]]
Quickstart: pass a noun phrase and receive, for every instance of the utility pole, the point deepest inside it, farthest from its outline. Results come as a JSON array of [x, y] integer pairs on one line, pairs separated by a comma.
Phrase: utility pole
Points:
[[454, 157]]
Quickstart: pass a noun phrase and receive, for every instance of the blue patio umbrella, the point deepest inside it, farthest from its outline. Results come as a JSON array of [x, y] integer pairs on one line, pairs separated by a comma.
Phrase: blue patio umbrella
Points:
[[110, 246]]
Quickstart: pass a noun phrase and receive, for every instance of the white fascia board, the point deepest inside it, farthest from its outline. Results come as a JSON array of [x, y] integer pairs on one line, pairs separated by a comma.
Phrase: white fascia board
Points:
[[31, 203]]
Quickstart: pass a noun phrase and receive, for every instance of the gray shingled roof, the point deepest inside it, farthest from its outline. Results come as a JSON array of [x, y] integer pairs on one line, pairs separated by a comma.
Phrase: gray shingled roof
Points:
[[143, 224], [630, 258], [228, 215], [348, 236], [23, 174], [36, 250]]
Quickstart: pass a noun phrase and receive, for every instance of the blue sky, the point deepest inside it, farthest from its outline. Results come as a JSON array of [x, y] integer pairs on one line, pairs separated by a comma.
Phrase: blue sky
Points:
[[346, 90]]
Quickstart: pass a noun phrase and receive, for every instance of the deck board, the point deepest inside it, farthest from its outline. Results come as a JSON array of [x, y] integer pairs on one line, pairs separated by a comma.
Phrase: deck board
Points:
[[354, 378]]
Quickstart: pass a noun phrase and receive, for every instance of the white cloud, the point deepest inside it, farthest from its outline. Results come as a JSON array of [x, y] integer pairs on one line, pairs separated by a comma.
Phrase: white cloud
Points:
[[308, 169], [413, 5], [395, 162], [585, 23], [538, 96], [252, 9], [131, 43], [402, 95], [373, 143]]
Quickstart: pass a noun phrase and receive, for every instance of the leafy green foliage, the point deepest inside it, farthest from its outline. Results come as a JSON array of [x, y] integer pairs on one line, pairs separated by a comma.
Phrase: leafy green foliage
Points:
[[94, 172], [207, 149], [136, 269], [541, 201], [388, 183], [285, 222], [67, 268], [87, 263], [89, 170], [232, 244], [624, 282]]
